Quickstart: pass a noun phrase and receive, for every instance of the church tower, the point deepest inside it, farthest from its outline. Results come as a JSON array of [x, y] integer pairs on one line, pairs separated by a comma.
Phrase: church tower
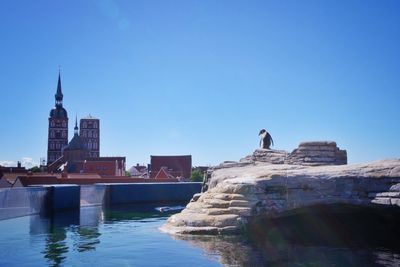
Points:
[[90, 134], [58, 127]]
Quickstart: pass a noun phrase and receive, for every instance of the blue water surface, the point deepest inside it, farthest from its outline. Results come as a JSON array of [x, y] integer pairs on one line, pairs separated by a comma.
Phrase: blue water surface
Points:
[[121, 236], [128, 235]]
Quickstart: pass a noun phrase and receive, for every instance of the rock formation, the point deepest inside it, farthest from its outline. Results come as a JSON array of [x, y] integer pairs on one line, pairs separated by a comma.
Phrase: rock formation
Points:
[[317, 154], [256, 187], [308, 153], [266, 155]]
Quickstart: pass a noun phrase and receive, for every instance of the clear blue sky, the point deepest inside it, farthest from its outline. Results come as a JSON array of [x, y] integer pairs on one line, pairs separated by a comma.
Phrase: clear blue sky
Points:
[[202, 77]]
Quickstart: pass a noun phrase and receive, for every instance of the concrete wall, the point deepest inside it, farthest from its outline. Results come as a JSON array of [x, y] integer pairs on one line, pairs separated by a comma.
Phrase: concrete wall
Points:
[[16, 202], [155, 192], [63, 197]]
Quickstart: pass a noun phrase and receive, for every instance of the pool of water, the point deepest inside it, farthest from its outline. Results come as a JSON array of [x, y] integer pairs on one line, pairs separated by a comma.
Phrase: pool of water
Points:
[[120, 236], [128, 236]]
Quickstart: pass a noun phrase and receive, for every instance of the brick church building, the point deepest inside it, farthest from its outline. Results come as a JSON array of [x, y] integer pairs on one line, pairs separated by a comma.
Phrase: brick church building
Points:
[[82, 153], [58, 127]]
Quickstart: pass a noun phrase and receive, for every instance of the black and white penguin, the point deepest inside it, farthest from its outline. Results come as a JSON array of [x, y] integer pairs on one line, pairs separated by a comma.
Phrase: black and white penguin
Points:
[[266, 139]]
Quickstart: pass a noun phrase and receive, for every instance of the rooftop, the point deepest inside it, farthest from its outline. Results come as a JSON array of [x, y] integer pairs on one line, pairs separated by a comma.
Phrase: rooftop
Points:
[[89, 117]]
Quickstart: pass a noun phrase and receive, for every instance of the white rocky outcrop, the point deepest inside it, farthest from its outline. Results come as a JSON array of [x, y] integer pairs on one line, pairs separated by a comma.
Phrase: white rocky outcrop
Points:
[[317, 154], [238, 191]]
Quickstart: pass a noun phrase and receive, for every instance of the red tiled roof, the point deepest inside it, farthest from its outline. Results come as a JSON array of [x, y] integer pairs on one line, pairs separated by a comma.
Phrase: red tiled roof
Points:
[[36, 180], [83, 175]]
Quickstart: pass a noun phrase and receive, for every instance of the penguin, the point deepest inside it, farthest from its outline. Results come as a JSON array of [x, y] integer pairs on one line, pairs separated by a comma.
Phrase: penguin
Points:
[[266, 139]]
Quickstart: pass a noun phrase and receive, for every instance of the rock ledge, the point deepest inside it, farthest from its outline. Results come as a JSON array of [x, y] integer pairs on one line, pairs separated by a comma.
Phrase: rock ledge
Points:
[[255, 188]]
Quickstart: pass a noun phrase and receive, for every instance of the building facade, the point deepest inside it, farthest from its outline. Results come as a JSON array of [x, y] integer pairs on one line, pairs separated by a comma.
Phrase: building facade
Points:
[[75, 159], [176, 166], [105, 166], [74, 153], [82, 154], [58, 127], [90, 134]]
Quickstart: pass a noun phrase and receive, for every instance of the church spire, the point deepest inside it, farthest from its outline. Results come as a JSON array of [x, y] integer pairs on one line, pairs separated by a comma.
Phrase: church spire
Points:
[[76, 126], [59, 94]]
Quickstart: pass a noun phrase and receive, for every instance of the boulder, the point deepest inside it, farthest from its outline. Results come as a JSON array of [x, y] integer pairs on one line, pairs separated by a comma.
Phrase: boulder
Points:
[[266, 155], [314, 153], [241, 192], [317, 154]]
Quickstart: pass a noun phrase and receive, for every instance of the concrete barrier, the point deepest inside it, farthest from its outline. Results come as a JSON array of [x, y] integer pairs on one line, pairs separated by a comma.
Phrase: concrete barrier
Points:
[[16, 202], [63, 197], [154, 192]]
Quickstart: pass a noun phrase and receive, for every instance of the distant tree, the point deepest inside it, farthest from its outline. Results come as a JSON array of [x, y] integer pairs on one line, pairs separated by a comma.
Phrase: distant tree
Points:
[[35, 169], [197, 176], [127, 174]]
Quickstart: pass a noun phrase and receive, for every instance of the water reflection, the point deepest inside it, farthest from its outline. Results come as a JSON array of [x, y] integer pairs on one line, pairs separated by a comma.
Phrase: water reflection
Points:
[[78, 230], [230, 250], [86, 238], [80, 224], [133, 212], [320, 236], [56, 247]]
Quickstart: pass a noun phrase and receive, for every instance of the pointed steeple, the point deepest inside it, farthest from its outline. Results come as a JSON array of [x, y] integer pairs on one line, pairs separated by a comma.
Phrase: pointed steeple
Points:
[[59, 94], [76, 126]]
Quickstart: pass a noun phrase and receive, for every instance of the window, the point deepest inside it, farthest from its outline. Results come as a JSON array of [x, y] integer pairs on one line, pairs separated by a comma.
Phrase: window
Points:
[[52, 124], [51, 145], [84, 124], [84, 133], [95, 125], [64, 134], [95, 134], [90, 134], [64, 124]]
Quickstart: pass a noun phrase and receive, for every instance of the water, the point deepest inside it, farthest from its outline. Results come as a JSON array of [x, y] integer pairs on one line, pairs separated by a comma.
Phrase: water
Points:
[[120, 236], [129, 236]]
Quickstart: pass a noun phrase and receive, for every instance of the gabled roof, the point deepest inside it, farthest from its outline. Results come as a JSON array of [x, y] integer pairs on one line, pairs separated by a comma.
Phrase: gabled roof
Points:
[[137, 170], [163, 174], [35, 180], [178, 165], [76, 143], [4, 183]]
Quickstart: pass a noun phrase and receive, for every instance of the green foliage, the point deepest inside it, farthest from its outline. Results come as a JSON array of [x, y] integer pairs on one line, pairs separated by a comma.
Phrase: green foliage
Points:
[[127, 174], [35, 169], [197, 176]]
